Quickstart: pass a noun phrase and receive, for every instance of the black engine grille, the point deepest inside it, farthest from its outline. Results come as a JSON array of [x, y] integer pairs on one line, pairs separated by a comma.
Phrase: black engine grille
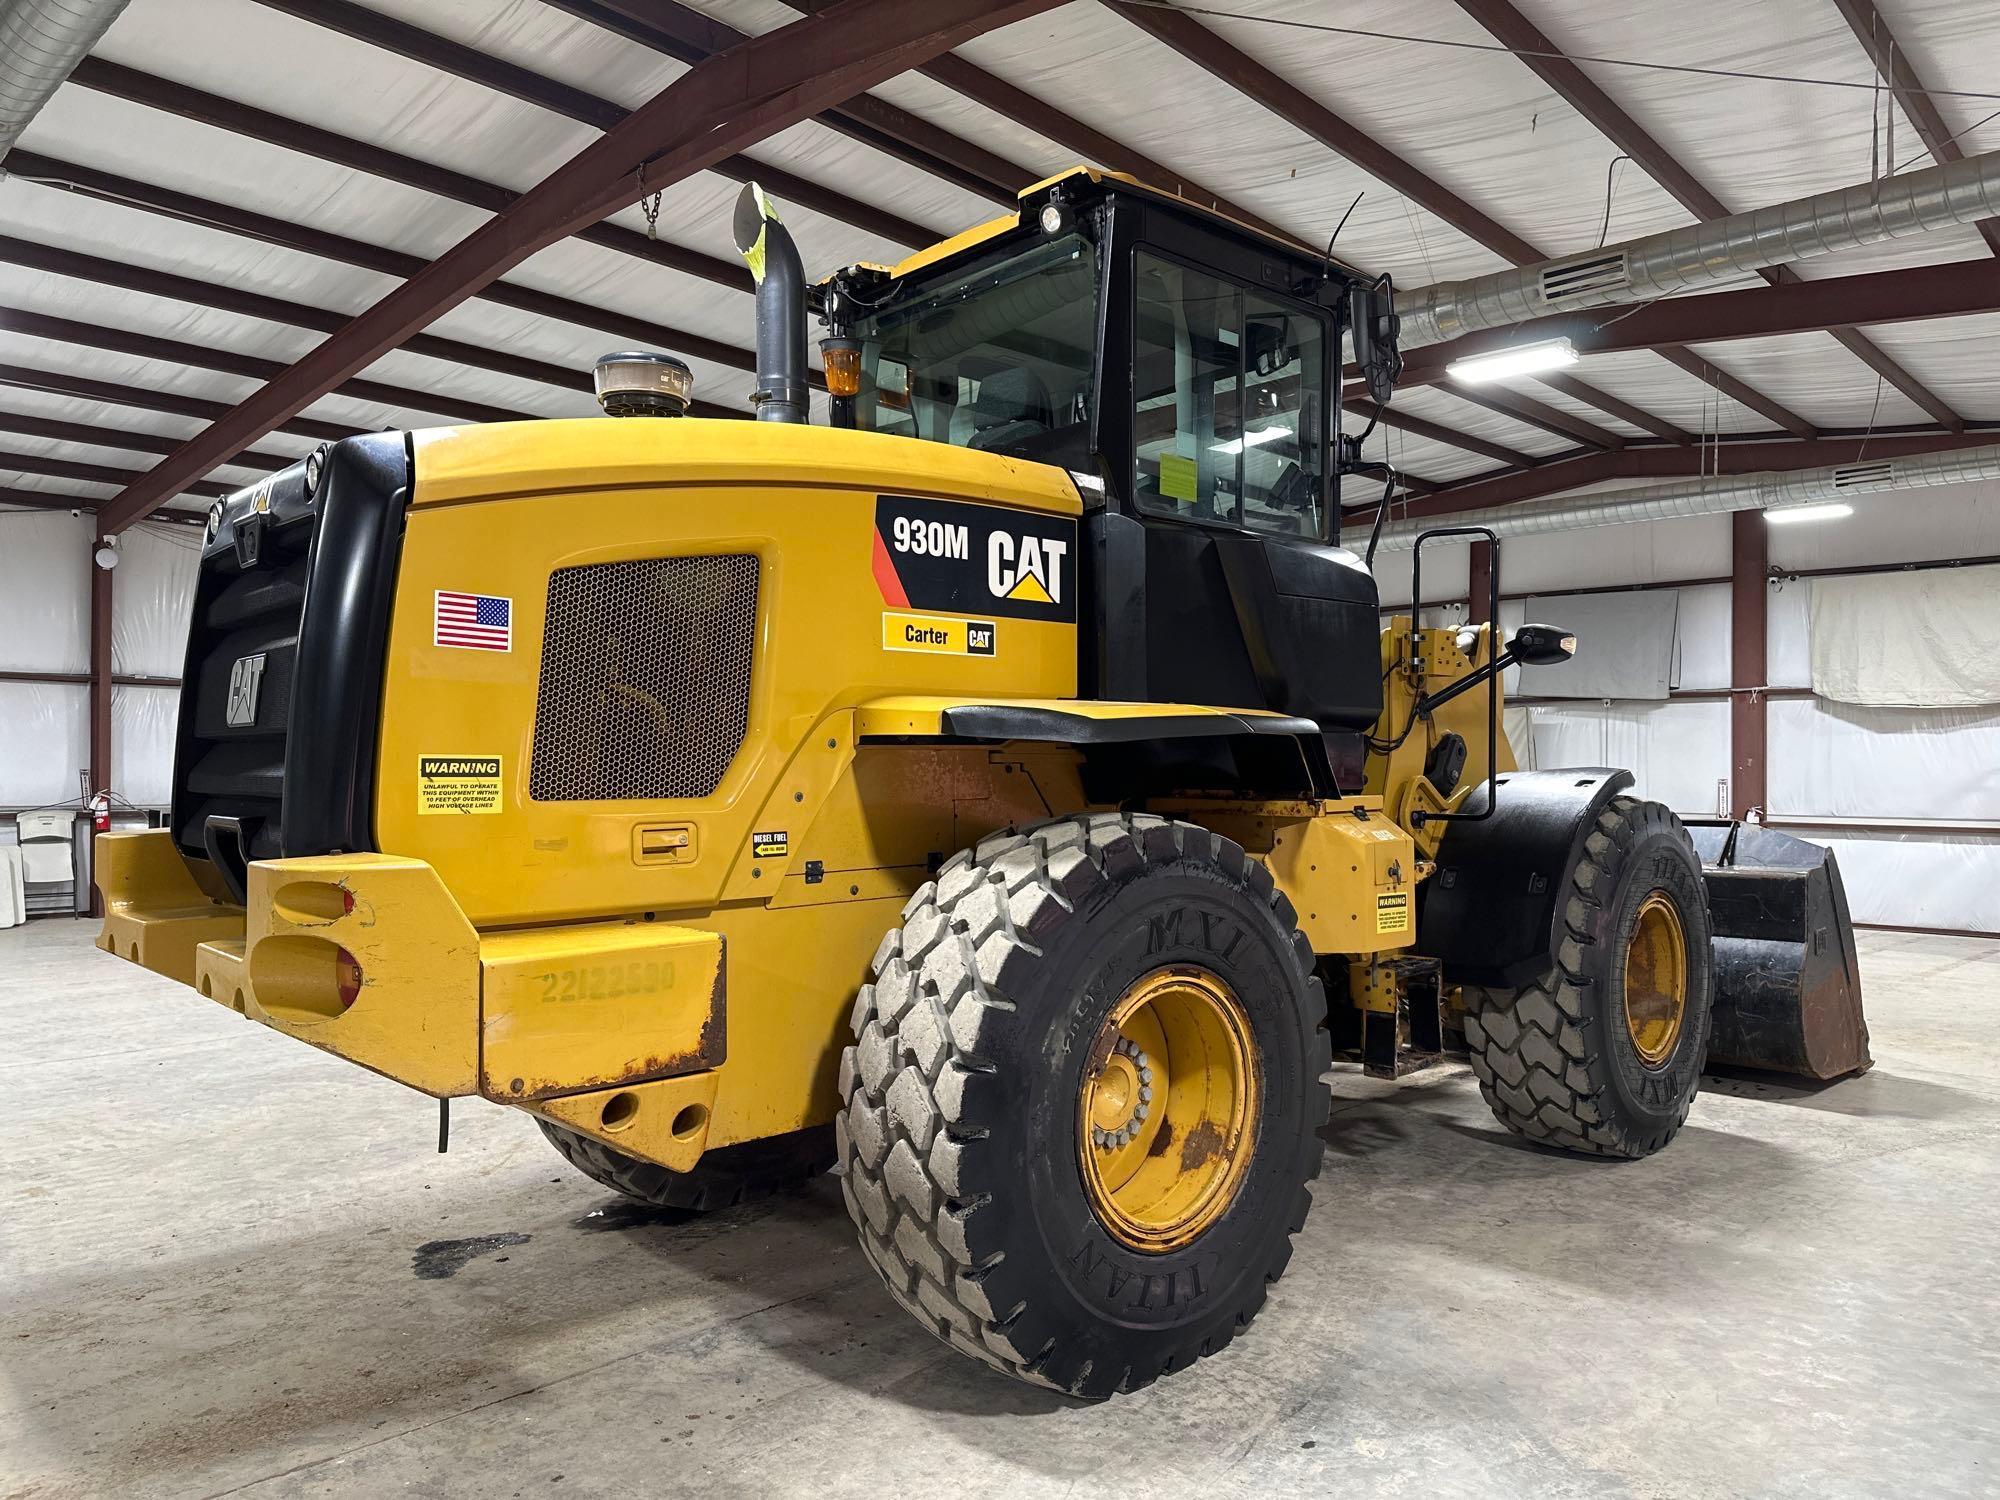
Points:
[[645, 682]]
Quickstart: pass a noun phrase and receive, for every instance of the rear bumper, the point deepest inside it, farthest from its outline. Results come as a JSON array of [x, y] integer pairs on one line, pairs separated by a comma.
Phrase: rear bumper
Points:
[[607, 1021]]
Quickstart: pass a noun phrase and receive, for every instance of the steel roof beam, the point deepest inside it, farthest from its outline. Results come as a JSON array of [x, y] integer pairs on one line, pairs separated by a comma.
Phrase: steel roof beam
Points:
[[688, 36], [65, 468], [142, 398], [1753, 455], [177, 288], [1894, 65], [137, 87], [1209, 51], [1537, 414], [129, 192], [114, 437], [1004, 99], [228, 362], [1610, 405], [224, 114], [1417, 427], [718, 107], [447, 56], [1581, 93]]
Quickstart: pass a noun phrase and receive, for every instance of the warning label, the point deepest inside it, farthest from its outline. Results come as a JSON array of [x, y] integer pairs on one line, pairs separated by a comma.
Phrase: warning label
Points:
[[1392, 912], [458, 783]]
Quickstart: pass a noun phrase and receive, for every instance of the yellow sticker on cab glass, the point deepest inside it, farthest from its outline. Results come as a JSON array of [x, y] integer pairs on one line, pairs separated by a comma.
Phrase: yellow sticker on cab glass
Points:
[[1392, 912], [1177, 478], [458, 783]]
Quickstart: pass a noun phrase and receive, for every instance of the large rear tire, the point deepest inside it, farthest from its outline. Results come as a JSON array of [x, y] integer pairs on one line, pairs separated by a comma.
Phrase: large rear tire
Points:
[[1602, 1054], [723, 1178], [1083, 1101]]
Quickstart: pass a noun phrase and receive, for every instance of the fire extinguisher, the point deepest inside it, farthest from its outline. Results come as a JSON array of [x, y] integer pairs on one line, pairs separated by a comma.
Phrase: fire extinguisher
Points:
[[100, 812]]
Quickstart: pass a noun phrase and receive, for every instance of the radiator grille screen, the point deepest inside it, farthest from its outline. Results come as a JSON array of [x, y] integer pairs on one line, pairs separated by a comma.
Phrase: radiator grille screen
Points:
[[645, 685]]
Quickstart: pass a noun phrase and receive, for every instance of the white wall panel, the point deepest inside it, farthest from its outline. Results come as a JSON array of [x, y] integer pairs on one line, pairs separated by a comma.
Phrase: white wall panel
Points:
[[1676, 752], [44, 741], [1917, 880], [151, 597], [1639, 552], [1788, 635], [1831, 760], [1960, 521], [1703, 637], [1446, 568], [142, 743], [44, 592], [1624, 645]]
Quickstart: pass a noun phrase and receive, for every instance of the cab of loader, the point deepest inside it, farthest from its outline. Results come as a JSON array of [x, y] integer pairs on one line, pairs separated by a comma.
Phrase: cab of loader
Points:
[[1186, 371]]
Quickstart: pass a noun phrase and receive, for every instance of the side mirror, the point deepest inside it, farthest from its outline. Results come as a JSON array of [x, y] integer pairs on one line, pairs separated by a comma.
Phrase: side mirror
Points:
[[1375, 328], [1541, 646]]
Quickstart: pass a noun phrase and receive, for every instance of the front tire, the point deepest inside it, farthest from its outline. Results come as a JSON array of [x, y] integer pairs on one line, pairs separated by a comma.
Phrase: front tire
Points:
[[1010, 1183], [1602, 1054]]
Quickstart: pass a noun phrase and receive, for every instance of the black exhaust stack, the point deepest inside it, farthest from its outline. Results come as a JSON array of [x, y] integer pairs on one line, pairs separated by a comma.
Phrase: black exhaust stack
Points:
[[766, 246]]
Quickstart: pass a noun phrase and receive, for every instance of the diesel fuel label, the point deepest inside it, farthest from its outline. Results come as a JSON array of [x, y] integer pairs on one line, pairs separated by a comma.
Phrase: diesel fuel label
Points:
[[773, 845], [938, 633], [1392, 912], [458, 783], [959, 558]]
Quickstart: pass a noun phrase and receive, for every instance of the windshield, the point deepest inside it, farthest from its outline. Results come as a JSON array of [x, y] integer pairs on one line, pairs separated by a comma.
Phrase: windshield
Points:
[[997, 358]]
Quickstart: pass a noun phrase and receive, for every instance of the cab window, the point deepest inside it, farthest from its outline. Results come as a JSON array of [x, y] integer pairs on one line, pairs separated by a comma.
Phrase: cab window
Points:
[[1229, 386], [998, 357]]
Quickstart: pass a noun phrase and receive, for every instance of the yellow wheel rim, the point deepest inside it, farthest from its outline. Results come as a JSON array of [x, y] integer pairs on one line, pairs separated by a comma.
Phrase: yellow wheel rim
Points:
[[1167, 1113], [1656, 979]]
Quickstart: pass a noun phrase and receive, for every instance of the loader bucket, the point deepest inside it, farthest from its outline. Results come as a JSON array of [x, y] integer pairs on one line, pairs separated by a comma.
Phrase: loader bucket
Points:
[[1787, 986]]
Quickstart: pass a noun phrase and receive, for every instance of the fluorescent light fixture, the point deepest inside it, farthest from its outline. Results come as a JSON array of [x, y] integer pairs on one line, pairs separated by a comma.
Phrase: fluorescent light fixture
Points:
[[1832, 511], [1523, 359], [1253, 437]]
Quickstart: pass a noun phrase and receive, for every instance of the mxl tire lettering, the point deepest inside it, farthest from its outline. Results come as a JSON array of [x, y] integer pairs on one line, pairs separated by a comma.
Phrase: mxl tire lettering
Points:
[[955, 557]]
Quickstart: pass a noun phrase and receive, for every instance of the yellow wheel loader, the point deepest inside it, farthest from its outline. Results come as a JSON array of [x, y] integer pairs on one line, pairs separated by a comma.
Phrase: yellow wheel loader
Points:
[[1006, 792]]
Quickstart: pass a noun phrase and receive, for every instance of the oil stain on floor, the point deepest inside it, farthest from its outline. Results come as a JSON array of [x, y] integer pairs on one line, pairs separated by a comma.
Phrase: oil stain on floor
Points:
[[441, 1258]]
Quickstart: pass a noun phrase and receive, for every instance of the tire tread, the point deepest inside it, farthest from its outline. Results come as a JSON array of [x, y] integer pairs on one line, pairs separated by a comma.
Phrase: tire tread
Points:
[[969, 939]]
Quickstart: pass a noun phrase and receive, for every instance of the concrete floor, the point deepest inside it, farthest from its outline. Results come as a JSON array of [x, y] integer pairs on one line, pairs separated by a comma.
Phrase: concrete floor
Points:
[[222, 1274]]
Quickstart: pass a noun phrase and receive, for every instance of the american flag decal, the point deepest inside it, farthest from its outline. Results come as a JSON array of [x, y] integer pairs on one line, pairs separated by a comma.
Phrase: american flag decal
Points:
[[476, 622]]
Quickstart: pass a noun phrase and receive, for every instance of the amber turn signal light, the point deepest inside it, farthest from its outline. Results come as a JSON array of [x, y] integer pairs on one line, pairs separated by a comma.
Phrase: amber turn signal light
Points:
[[842, 360]]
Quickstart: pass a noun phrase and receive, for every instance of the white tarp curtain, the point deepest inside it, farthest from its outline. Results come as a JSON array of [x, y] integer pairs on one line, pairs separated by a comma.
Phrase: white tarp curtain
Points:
[[45, 627], [1676, 752], [1624, 645], [142, 743], [151, 596], [1927, 639], [44, 741], [1832, 760], [44, 592], [1917, 879]]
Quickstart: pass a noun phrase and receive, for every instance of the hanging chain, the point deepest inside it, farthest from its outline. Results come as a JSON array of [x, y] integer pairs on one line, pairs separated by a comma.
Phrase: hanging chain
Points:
[[649, 206]]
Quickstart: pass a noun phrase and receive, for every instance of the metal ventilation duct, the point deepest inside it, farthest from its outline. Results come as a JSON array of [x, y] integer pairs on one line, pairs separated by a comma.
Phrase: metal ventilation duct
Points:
[[1960, 192], [1705, 497], [40, 41]]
